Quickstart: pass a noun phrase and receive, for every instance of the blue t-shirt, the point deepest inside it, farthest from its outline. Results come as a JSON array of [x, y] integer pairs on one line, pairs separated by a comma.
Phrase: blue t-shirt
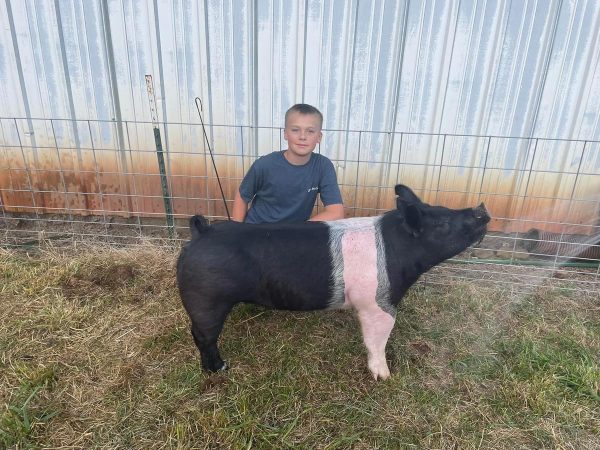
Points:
[[284, 192]]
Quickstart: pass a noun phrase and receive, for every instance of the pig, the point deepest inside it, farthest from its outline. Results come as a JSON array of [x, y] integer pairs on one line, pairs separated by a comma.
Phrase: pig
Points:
[[366, 264]]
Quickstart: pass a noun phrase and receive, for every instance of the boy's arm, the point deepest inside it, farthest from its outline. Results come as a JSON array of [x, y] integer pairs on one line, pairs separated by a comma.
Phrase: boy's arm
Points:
[[331, 197], [331, 212], [248, 186], [240, 208]]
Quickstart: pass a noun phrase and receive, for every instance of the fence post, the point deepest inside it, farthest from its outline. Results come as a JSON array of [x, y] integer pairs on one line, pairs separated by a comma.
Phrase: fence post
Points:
[[161, 159]]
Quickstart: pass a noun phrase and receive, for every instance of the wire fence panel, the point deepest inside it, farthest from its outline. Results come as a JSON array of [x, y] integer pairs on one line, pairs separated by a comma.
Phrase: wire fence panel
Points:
[[101, 180]]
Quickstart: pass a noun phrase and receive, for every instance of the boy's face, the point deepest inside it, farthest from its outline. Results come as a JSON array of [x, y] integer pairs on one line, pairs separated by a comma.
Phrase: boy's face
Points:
[[303, 133]]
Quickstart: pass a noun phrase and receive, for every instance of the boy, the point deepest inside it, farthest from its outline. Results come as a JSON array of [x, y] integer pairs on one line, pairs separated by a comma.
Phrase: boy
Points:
[[283, 185]]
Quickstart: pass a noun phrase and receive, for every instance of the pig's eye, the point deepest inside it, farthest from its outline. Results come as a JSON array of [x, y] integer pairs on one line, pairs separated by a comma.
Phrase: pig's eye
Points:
[[443, 226]]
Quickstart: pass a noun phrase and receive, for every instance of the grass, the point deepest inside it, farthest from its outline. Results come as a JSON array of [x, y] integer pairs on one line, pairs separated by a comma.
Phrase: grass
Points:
[[96, 353]]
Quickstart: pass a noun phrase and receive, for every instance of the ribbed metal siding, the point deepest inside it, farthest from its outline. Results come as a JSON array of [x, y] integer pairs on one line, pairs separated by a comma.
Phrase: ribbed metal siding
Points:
[[465, 67], [481, 67]]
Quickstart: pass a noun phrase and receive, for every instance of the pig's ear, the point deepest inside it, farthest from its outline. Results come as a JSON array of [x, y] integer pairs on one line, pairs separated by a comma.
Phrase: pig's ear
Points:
[[413, 219], [405, 194]]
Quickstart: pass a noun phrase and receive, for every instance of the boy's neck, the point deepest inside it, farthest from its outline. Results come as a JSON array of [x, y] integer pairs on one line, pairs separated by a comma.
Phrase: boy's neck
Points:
[[295, 159]]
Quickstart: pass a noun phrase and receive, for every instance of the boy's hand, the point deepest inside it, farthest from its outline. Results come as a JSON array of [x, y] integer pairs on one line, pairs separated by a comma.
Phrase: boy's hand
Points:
[[331, 212], [240, 208]]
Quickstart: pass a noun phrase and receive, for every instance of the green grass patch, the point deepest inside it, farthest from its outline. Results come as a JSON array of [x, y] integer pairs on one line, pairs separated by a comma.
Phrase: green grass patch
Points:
[[564, 366], [24, 413], [96, 353]]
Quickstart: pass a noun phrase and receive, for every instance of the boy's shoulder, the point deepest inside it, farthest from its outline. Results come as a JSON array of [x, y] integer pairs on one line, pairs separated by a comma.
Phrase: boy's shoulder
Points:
[[277, 158], [321, 158], [269, 158], [322, 161]]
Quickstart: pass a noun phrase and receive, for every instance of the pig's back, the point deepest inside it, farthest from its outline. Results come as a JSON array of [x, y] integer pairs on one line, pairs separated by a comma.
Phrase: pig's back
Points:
[[287, 266], [304, 266]]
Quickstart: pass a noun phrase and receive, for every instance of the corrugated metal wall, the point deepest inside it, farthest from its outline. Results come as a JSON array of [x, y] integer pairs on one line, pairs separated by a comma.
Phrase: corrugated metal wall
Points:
[[406, 89]]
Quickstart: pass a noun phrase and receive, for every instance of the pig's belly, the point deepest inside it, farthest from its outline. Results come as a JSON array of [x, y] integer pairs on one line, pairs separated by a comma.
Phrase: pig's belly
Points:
[[360, 274]]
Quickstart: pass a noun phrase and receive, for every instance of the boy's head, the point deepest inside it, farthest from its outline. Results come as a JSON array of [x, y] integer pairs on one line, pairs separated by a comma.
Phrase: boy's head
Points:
[[304, 109], [302, 131]]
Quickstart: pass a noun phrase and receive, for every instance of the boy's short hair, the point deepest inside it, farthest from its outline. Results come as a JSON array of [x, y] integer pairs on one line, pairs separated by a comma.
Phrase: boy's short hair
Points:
[[303, 108]]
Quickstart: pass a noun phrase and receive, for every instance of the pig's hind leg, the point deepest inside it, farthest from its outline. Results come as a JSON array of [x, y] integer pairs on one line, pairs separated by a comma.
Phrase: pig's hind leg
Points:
[[376, 326], [207, 324]]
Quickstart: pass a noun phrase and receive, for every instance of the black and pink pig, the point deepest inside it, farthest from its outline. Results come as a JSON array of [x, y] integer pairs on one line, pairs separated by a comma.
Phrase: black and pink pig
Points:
[[366, 264]]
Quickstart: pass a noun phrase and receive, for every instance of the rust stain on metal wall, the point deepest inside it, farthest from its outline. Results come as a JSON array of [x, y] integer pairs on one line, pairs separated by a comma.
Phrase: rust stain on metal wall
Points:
[[94, 186]]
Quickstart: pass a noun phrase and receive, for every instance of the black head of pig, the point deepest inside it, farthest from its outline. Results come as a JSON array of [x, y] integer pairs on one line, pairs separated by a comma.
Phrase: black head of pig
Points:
[[435, 233]]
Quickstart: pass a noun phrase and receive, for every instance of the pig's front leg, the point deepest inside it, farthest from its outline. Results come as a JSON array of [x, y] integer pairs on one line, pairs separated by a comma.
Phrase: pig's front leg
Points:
[[364, 275], [376, 327]]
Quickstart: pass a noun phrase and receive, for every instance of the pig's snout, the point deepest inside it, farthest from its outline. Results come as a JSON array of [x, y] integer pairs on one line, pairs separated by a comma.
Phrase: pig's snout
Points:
[[481, 213]]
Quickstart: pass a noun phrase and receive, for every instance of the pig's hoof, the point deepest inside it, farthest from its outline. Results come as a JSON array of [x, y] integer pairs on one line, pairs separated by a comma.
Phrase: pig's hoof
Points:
[[215, 366], [381, 375], [380, 371]]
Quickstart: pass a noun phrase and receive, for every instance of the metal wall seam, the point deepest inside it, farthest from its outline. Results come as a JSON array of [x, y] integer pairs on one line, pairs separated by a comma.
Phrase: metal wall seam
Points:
[[116, 103], [346, 125], [71, 103], [589, 76], [19, 68]]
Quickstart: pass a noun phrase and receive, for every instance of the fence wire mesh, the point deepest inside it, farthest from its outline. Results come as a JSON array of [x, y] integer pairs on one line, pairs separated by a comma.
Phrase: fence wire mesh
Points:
[[63, 181]]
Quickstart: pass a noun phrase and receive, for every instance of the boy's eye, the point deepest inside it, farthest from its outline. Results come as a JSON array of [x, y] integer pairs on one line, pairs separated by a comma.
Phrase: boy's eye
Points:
[[298, 130]]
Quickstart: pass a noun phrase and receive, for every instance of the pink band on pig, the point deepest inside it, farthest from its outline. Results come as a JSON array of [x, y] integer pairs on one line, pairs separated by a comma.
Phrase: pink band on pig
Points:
[[359, 267]]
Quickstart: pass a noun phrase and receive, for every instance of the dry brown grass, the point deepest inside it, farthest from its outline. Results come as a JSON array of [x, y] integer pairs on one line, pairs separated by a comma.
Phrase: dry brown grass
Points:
[[95, 352]]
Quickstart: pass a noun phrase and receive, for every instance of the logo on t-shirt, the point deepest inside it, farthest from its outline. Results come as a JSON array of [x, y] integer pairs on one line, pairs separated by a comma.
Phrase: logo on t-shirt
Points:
[[315, 188]]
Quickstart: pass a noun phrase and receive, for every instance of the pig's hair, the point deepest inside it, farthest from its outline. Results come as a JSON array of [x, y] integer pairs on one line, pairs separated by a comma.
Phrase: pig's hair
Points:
[[198, 225]]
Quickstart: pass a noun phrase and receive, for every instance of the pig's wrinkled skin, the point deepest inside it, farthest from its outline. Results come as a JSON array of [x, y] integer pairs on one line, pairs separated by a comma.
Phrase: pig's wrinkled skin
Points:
[[366, 264]]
